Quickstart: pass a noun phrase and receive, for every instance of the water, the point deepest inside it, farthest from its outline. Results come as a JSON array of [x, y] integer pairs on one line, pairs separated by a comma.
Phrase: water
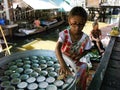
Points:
[[51, 35]]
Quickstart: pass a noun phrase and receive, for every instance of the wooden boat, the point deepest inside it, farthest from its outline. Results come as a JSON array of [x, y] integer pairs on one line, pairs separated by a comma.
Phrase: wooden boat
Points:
[[25, 32]]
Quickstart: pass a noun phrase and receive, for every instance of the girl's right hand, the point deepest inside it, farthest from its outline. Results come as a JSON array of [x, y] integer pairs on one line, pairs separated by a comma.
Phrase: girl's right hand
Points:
[[65, 70]]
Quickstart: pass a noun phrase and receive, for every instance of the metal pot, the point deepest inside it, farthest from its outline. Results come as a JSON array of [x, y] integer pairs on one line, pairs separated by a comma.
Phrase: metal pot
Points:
[[28, 53]]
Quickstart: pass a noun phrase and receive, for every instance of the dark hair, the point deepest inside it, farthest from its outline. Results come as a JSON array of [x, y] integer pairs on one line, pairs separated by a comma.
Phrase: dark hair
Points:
[[79, 11], [95, 23]]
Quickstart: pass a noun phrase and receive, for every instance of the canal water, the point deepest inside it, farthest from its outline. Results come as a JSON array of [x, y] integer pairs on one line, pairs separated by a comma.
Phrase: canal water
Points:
[[51, 34]]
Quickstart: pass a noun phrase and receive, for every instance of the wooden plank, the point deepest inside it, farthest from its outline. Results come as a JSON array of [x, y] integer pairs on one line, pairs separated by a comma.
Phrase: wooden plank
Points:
[[98, 77], [114, 64], [118, 39], [115, 55], [114, 72], [116, 46], [110, 83]]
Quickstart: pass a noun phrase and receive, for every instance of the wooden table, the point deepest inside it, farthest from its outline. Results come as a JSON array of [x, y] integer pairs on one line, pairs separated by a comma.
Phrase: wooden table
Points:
[[10, 28], [107, 76]]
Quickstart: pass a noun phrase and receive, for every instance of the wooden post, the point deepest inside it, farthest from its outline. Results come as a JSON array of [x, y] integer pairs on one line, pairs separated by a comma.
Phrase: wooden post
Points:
[[5, 41]]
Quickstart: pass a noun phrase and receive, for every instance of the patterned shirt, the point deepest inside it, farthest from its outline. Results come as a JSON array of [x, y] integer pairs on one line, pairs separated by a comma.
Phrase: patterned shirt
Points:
[[77, 48]]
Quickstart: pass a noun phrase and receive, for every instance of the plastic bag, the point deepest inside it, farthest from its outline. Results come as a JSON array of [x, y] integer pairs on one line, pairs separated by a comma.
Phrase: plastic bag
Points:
[[86, 59], [105, 41]]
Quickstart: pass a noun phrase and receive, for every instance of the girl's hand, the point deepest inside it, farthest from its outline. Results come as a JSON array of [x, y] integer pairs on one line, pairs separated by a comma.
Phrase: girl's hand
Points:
[[65, 70]]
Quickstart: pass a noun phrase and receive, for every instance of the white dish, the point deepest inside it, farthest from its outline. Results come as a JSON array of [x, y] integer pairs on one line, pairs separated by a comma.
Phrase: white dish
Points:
[[31, 79], [52, 74], [51, 87], [43, 66], [40, 79], [43, 73], [50, 79], [22, 85], [58, 83], [43, 85], [32, 86]]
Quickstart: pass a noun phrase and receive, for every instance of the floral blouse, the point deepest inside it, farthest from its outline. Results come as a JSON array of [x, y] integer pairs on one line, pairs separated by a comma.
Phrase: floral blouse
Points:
[[77, 48]]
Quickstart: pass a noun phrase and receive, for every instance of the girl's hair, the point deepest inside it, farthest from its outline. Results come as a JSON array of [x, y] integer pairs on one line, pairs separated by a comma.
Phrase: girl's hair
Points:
[[78, 11], [95, 23]]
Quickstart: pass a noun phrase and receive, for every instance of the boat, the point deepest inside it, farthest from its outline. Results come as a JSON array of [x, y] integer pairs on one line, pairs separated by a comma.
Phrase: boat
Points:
[[47, 26]]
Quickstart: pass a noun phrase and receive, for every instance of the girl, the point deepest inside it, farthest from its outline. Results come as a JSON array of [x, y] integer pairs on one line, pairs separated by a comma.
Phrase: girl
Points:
[[96, 37], [73, 43], [36, 23]]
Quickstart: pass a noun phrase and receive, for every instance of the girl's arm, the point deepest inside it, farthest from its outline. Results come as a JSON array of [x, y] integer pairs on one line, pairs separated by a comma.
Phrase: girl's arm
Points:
[[64, 68], [100, 37], [92, 37]]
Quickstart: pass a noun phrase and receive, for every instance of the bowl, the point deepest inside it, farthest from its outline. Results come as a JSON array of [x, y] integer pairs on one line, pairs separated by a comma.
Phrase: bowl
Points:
[[35, 61], [50, 69], [32, 86], [18, 60], [43, 66], [47, 58], [15, 80], [24, 76], [41, 79], [43, 85], [26, 66], [28, 71], [33, 57], [51, 87], [19, 70], [35, 65], [56, 65], [43, 73], [10, 88], [58, 83], [8, 72], [37, 69], [34, 74], [5, 84], [42, 61], [52, 74], [19, 64], [15, 75], [41, 57], [4, 78], [13, 67], [22, 85], [50, 79], [31, 80], [27, 62], [50, 63]]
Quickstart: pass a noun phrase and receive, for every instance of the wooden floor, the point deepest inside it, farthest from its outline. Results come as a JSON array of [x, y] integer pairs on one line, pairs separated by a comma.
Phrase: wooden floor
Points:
[[111, 79]]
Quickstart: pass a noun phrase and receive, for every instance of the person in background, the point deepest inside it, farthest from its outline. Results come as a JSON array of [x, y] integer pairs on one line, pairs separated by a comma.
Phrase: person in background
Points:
[[96, 37], [18, 8], [36, 22], [1, 7], [18, 11], [74, 43]]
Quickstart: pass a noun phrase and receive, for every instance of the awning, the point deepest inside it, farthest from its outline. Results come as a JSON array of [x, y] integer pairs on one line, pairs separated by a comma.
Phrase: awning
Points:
[[64, 5], [41, 4]]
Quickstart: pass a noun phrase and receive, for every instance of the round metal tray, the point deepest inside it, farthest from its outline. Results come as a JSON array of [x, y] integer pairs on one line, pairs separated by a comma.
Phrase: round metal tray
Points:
[[28, 53]]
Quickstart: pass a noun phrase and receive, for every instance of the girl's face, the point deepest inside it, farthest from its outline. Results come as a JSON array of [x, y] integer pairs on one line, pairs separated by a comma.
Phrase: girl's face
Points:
[[76, 24], [95, 27]]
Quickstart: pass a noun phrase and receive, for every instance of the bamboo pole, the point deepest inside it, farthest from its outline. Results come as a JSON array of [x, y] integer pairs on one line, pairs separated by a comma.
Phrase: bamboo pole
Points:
[[5, 41]]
